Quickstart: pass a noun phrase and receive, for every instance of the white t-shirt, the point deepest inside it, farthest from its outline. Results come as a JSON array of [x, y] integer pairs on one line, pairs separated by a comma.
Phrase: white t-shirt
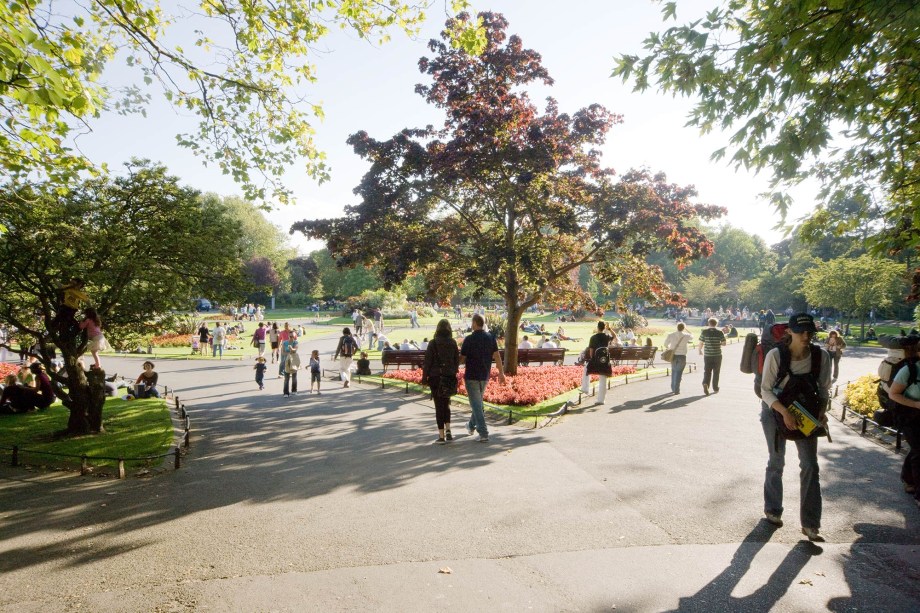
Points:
[[525, 345]]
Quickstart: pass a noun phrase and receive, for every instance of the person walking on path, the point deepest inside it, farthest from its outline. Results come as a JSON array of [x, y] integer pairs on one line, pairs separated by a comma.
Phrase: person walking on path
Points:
[[478, 352], [835, 346], [597, 363], [260, 368], [274, 341], [283, 335], [678, 342], [796, 364], [346, 348], [291, 363], [711, 342], [258, 340], [314, 371], [442, 359]]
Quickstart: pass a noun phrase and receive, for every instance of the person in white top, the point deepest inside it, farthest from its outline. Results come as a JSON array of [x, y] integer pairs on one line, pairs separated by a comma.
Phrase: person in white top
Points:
[[678, 341], [550, 344], [525, 344], [405, 346], [424, 344]]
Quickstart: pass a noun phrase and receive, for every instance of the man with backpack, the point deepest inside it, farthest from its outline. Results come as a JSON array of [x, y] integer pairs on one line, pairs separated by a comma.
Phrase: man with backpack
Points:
[[904, 404], [711, 341], [597, 362], [346, 348]]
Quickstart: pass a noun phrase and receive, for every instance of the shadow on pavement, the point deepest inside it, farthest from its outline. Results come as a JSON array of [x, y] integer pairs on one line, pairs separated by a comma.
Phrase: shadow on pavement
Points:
[[717, 594]]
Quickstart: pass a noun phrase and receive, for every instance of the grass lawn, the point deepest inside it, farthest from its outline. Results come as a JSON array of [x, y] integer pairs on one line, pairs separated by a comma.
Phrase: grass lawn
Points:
[[133, 429]]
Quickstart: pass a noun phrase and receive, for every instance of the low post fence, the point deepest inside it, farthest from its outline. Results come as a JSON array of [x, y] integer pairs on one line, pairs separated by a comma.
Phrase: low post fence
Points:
[[864, 421], [85, 467]]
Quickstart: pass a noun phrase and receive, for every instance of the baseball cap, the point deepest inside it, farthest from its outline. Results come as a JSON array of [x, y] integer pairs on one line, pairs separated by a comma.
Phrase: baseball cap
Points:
[[800, 322]]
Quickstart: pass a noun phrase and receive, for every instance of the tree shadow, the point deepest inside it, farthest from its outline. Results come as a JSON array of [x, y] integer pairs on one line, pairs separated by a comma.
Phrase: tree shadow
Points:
[[256, 448], [717, 594]]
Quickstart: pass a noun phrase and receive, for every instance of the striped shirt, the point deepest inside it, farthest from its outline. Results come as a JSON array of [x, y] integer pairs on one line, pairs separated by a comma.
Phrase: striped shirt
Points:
[[712, 339]]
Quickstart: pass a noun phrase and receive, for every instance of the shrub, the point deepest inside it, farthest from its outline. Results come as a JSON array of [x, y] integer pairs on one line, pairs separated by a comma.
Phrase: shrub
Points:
[[860, 396], [495, 325], [631, 319]]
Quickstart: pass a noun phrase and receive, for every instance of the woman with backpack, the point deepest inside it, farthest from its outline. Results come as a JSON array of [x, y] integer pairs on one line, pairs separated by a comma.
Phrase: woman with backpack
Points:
[[795, 370], [905, 392], [597, 362], [346, 348]]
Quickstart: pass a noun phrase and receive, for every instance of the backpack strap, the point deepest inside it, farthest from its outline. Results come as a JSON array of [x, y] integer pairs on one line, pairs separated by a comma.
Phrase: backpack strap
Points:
[[785, 362]]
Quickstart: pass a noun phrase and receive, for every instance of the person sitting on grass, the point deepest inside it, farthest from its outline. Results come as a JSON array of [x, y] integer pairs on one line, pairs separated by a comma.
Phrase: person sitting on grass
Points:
[[20, 399], [148, 382], [364, 364]]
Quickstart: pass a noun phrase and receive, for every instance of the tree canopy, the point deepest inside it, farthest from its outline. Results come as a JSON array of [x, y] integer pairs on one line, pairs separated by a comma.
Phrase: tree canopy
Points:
[[136, 242], [505, 198], [241, 75], [808, 89]]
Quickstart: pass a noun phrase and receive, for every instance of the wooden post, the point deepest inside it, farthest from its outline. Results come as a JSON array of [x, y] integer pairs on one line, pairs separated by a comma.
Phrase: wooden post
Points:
[[178, 408], [121, 468], [865, 424], [407, 387], [15, 455], [84, 465], [510, 416], [178, 455], [897, 442]]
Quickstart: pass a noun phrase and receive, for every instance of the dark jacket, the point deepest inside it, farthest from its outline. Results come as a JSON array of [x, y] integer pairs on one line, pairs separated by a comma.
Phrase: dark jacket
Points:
[[441, 350]]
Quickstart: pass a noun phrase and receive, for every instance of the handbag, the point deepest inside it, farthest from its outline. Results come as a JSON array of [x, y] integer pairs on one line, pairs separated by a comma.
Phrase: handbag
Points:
[[668, 354]]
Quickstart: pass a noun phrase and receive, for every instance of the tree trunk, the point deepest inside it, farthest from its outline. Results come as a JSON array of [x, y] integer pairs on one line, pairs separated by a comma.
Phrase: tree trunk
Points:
[[512, 328], [85, 397]]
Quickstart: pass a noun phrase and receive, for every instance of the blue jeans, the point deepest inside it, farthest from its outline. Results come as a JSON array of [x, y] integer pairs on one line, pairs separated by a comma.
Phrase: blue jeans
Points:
[[474, 391], [678, 363], [217, 347], [810, 487], [281, 362]]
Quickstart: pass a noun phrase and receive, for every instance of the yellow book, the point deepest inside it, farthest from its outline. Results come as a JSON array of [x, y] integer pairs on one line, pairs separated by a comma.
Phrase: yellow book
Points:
[[807, 422]]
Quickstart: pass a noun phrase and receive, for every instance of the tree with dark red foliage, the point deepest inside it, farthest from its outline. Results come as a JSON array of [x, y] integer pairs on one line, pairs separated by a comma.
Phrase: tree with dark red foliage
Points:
[[261, 273], [508, 199]]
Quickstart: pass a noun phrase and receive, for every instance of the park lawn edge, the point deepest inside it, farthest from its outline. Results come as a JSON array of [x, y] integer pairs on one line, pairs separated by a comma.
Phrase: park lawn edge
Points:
[[137, 428]]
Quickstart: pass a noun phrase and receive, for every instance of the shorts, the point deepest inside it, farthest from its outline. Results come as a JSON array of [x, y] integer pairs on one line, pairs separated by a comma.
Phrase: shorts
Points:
[[314, 377], [274, 345]]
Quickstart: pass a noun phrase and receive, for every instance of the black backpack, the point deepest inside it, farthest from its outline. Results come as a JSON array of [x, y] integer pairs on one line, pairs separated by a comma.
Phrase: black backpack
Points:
[[348, 346], [802, 388], [600, 362], [892, 414]]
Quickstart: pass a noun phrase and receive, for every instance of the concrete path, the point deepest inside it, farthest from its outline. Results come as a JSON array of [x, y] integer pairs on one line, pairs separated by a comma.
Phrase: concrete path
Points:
[[341, 503]]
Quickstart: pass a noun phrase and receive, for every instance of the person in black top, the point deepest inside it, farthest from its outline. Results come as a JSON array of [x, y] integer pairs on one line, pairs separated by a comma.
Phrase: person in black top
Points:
[[478, 351], [442, 359], [597, 363]]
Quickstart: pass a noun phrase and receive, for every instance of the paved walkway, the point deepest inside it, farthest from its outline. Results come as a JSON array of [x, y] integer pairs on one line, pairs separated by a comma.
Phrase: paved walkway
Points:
[[340, 502]]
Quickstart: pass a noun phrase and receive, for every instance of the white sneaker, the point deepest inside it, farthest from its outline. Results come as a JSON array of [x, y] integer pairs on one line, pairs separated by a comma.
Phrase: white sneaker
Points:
[[483, 439], [470, 429]]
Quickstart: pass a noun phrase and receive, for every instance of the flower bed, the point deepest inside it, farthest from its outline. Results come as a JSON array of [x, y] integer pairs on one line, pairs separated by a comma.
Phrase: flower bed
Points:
[[172, 340], [8, 369], [531, 384]]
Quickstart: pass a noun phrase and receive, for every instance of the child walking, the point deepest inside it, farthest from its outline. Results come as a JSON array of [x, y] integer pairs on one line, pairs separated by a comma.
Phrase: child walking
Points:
[[314, 371], [95, 341], [260, 371]]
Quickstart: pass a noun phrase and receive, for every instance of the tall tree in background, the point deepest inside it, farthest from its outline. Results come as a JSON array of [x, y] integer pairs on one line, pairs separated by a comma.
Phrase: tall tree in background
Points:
[[506, 199], [808, 88], [134, 239], [241, 74]]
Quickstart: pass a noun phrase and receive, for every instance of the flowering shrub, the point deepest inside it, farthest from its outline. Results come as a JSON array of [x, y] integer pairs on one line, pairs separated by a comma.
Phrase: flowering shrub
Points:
[[860, 395], [531, 384], [172, 340]]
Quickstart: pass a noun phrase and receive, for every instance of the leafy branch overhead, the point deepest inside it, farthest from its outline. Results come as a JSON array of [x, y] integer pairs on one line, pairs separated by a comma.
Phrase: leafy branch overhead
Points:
[[243, 77], [506, 198], [806, 89]]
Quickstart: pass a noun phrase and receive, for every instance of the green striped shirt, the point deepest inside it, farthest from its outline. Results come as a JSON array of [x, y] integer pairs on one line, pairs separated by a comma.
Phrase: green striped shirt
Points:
[[712, 341]]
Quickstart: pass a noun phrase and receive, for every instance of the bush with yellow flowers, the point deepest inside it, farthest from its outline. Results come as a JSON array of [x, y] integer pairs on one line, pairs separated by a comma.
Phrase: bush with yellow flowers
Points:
[[860, 396]]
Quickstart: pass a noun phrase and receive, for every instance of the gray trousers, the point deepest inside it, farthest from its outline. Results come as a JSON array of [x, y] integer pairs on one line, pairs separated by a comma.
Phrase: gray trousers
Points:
[[810, 494]]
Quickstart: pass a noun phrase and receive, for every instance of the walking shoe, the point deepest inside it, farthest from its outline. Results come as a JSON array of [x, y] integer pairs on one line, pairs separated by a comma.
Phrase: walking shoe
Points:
[[705, 389], [440, 441], [470, 429], [346, 384], [910, 489], [483, 439], [715, 390], [776, 520], [449, 436], [287, 395], [812, 534]]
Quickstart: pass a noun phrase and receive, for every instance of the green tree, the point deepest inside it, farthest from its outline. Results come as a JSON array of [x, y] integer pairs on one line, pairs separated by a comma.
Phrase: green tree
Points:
[[134, 239], [703, 290], [855, 285], [343, 282], [505, 198], [242, 76], [808, 88]]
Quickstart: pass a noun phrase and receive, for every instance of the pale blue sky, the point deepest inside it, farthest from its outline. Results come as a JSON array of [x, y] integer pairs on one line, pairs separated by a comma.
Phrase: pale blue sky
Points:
[[365, 87]]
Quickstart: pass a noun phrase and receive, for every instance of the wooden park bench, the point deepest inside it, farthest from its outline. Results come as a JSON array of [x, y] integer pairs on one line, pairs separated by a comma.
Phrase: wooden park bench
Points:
[[633, 355], [539, 355], [398, 357]]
